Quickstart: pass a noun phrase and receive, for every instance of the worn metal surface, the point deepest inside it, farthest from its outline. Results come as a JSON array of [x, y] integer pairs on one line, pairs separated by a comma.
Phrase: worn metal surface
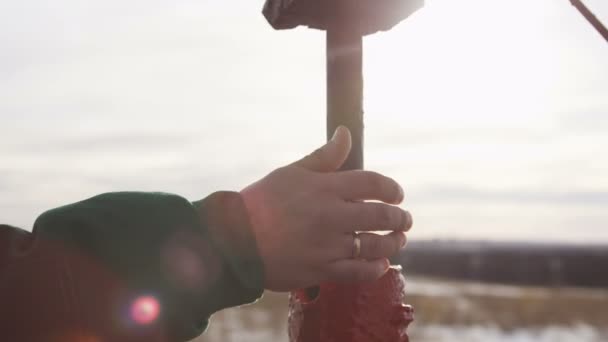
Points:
[[366, 312], [367, 16], [354, 312], [345, 89]]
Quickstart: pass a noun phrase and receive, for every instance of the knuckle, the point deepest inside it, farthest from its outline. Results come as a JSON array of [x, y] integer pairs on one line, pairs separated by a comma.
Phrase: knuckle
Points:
[[375, 246], [396, 218], [391, 188], [322, 217], [400, 219], [346, 247], [382, 216], [394, 245], [374, 180], [383, 187], [329, 185], [277, 174]]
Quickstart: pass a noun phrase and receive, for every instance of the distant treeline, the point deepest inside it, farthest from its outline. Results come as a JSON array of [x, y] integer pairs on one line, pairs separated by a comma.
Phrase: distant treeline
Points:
[[508, 263]]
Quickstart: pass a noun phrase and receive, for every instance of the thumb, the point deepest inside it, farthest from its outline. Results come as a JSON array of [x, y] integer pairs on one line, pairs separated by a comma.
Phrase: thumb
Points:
[[330, 156]]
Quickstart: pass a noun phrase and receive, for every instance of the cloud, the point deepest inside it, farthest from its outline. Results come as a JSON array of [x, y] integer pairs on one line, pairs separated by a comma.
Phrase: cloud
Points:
[[194, 95], [106, 143], [448, 192], [590, 120]]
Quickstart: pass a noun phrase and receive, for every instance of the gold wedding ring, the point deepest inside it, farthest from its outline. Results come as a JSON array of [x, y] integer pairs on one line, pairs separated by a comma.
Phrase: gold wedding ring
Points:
[[356, 245]]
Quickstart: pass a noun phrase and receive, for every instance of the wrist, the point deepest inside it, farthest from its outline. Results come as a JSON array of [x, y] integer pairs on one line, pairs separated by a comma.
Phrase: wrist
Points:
[[230, 232], [252, 199]]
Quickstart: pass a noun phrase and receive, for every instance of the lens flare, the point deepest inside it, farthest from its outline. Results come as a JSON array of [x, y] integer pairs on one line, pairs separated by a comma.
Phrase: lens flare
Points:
[[145, 310]]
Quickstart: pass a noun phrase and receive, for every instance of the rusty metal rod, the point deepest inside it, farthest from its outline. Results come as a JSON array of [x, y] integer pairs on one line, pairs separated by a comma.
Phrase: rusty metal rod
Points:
[[345, 87], [601, 29], [344, 93]]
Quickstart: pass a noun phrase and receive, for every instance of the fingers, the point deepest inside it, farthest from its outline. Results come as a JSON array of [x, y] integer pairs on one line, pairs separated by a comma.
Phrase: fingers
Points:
[[373, 246], [366, 185], [351, 270], [373, 216], [330, 156]]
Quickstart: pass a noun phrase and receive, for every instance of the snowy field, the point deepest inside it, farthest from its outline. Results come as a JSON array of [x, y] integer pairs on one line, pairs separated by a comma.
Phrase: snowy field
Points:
[[577, 333], [452, 311], [438, 333]]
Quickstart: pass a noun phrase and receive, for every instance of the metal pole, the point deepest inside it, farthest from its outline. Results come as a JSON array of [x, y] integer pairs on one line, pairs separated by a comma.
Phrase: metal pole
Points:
[[601, 29], [345, 87], [344, 94]]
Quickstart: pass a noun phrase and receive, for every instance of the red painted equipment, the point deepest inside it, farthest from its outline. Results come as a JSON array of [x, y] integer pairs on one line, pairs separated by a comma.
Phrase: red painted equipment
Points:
[[367, 312], [348, 312]]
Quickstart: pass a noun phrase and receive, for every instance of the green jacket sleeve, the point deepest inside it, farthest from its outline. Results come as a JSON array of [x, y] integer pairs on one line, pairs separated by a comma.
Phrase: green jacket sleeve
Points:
[[127, 267]]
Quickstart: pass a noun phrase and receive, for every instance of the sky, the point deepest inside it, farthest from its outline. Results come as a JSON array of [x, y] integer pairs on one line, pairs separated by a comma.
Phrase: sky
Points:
[[492, 114]]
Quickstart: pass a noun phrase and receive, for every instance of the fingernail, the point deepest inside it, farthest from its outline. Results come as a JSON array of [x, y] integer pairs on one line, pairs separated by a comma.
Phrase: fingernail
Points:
[[403, 240], [401, 194], [335, 133], [408, 221]]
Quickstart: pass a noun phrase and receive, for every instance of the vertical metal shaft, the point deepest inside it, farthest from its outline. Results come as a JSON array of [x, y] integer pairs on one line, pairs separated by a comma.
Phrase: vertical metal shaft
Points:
[[345, 94], [345, 87]]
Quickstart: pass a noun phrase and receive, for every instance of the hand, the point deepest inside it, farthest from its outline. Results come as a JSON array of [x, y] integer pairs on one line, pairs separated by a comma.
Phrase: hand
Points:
[[305, 215]]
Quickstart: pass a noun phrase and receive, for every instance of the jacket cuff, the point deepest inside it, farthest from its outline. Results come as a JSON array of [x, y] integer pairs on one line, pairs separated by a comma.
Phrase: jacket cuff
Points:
[[230, 232]]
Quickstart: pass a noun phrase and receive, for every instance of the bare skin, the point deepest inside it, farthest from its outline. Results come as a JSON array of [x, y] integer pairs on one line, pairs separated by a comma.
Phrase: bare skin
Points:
[[304, 216]]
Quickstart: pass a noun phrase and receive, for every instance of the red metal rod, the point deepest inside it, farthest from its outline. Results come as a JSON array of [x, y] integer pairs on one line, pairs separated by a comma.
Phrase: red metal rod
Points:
[[601, 29]]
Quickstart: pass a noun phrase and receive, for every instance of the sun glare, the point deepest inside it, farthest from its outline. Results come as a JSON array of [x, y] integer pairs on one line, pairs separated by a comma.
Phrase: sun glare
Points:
[[473, 54], [145, 310]]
